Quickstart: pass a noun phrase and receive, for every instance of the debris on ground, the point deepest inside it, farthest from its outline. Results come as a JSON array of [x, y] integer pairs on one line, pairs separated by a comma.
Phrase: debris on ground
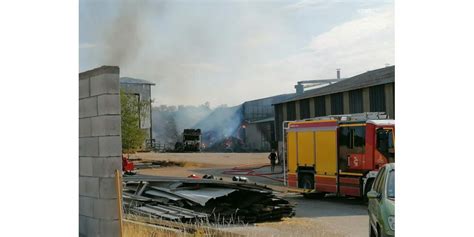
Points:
[[240, 179], [137, 163], [193, 176], [210, 176], [191, 200]]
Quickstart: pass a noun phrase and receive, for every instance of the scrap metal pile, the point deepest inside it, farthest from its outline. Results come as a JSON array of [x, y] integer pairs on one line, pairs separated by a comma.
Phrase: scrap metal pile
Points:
[[190, 200]]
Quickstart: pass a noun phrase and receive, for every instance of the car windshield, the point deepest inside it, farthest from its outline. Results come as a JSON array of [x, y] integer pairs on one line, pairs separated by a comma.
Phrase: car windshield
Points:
[[391, 185]]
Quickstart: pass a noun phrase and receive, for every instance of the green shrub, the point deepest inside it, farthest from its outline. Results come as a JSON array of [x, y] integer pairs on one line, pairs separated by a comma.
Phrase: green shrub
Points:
[[133, 137]]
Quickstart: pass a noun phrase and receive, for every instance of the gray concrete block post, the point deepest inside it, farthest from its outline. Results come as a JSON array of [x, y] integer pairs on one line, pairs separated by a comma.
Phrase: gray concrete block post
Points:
[[100, 149]]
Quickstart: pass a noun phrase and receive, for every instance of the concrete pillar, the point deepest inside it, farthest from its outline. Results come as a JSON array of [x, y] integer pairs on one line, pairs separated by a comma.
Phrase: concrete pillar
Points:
[[327, 99], [345, 102], [297, 110], [312, 112], [389, 100], [100, 150], [366, 100]]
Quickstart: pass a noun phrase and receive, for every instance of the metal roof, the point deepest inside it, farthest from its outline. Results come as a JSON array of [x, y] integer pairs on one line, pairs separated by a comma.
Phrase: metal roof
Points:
[[271, 119], [275, 98], [189, 200], [203, 195], [169, 212], [200, 196], [371, 78], [160, 193], [129, 80]]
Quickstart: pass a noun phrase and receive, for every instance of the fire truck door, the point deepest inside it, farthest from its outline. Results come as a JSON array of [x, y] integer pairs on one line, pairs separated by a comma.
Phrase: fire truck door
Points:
[[326, 160], [306, 148]]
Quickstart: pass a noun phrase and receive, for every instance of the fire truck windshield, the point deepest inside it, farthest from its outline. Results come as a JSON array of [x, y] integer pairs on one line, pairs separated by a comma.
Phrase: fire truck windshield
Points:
[[385, 143]]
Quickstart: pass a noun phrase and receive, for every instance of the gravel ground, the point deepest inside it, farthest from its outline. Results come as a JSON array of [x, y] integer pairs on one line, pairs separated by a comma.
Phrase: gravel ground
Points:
[[330, 216]]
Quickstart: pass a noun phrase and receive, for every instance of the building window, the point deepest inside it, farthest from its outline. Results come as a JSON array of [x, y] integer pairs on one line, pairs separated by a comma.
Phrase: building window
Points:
[[304, 109], [377, 98], [290, 111], [355, 102], [319, 106], [337, 105]]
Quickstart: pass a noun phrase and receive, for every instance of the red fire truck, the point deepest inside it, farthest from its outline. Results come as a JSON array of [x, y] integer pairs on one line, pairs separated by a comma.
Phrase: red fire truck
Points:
[[338, 154]]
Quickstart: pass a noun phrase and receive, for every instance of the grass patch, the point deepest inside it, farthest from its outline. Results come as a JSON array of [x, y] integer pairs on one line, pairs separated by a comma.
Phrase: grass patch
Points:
[[140, 229], [139, 226]]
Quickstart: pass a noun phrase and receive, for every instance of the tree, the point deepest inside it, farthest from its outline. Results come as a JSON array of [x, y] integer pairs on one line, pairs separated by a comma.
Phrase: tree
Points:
[[132, 108]]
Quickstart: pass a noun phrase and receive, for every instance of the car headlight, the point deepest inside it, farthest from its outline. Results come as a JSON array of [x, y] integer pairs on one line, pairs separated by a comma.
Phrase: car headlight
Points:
[[391, 222]]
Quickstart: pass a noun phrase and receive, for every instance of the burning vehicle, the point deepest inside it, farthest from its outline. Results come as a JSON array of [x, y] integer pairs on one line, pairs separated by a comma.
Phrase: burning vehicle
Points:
[[191, 141], [220, 130]]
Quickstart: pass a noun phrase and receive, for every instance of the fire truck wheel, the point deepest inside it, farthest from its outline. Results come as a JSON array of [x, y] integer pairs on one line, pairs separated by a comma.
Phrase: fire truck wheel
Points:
[[314, 195], [307, 182]]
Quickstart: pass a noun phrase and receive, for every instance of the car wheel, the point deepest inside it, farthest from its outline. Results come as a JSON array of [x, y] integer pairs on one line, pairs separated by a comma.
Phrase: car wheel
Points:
[[371, 231], [379, 232]]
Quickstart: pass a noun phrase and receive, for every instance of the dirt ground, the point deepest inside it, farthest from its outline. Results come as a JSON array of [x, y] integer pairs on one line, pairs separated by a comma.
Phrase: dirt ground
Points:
[[201, 163], [208, 159], [331, 216]]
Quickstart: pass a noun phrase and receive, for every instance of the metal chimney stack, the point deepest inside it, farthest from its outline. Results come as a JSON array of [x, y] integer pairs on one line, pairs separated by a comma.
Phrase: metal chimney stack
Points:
[[338, 73], [299, 89]]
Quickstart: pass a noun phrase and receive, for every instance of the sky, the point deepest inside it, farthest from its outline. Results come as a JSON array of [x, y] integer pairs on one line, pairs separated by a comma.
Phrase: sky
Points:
[[228, 52]]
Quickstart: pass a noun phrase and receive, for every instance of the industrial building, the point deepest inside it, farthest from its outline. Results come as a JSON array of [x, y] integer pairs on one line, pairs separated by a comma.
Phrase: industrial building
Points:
[[256, 125], [141, 89], [372, 91], [249, 126], [259, 122]]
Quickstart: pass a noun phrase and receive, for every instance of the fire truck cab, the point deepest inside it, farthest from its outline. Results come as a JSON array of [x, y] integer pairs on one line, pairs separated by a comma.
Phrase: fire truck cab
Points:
[[338, 154]]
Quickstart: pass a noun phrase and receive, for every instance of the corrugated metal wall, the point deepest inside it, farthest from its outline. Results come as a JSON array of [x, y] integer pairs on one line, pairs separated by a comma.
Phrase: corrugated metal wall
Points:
[[259, 109], [144, 94], [377, 98], [291, 110], [320, 106], [304, 109], [278, 120], [356, 103], [337, 103], [393, 93]]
